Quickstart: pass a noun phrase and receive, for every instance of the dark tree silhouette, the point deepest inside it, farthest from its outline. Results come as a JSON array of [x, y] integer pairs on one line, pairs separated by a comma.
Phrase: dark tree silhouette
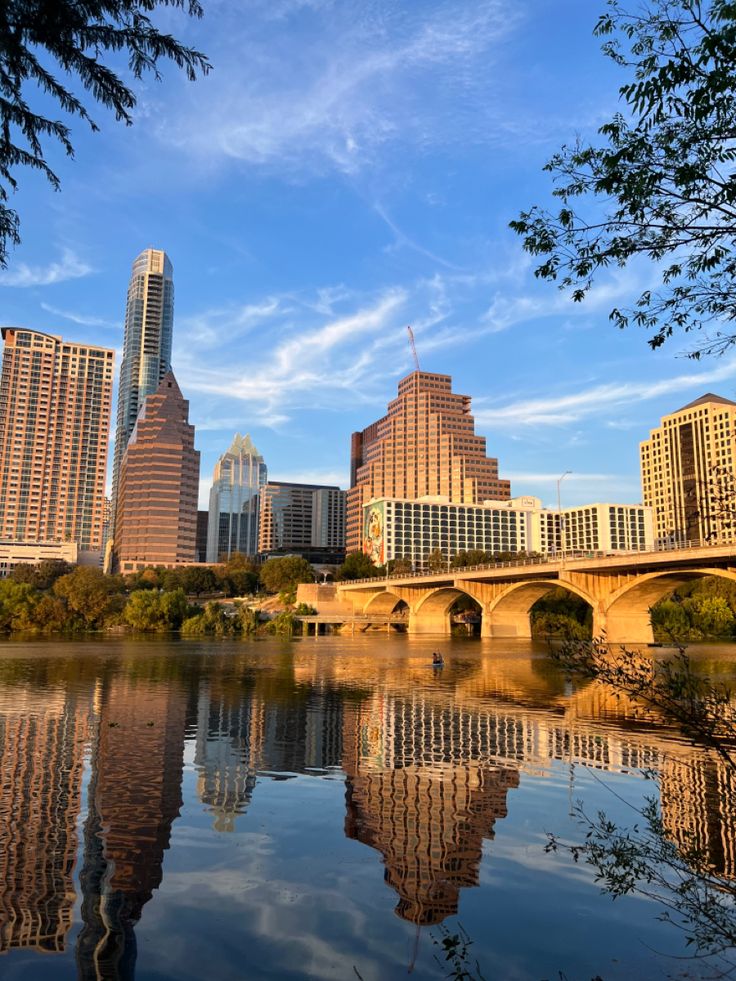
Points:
[[47, 46]]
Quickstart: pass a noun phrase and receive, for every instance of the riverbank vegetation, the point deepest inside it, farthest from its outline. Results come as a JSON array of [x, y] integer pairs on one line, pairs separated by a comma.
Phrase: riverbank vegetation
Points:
[[55, 598], [704, 609]]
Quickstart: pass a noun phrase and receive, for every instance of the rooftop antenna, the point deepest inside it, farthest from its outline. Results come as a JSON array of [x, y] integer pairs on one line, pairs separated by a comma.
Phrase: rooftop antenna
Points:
[[413, 347]]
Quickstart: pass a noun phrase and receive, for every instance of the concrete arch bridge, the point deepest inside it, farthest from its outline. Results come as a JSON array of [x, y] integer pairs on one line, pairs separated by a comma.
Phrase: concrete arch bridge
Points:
[[620, 589]]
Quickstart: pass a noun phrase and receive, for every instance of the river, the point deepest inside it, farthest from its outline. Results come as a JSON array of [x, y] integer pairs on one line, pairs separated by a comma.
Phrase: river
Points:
[[327, 808]]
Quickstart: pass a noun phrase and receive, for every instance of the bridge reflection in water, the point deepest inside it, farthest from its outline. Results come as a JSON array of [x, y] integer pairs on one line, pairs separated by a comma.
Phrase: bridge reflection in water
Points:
[[429, 765]]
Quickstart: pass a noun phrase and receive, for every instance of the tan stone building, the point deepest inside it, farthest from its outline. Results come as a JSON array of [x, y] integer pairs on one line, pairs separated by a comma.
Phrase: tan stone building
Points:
[[688, 467], [156, 517], [55, 399], [425, 445]]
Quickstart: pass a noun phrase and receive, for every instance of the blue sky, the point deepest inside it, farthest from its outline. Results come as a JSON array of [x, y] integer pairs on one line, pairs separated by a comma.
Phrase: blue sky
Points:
[[349, 167]]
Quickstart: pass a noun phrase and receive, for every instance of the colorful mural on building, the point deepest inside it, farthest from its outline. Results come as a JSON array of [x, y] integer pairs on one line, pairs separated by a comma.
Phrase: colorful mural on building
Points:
[[373, 540]]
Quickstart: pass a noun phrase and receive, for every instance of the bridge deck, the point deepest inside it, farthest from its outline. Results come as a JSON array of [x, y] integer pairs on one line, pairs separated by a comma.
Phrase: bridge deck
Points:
[[549, 567]]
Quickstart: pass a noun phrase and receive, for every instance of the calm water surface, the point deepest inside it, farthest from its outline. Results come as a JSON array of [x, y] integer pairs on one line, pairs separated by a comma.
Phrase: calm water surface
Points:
[[323, 809]]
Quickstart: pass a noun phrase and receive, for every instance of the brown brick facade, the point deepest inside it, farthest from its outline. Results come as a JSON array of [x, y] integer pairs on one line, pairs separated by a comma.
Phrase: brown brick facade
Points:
[[425, 445], [156, 517]]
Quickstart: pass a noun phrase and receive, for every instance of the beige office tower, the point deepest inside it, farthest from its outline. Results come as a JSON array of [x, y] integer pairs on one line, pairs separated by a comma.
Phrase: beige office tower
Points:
[[424, 446], [55, 399], [156, 516], [688, 466]]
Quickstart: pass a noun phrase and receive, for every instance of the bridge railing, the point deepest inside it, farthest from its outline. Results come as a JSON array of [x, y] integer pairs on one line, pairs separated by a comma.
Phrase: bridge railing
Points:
[[541, 560]]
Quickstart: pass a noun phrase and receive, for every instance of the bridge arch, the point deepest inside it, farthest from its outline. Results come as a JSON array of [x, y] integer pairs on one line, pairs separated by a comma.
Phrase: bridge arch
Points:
[[382, 604], [508, 614], [431, 614], [627, 615]]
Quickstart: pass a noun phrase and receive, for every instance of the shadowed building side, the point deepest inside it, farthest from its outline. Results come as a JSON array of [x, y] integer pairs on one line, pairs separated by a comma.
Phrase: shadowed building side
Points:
[[156, 521]]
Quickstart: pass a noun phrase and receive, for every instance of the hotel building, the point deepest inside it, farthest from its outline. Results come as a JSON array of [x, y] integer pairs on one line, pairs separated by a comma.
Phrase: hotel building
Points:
[[394, 528], [302, 519], [233, 515], [55, 400], [425, 445], [149, 325], [156, 518], [688, 473]]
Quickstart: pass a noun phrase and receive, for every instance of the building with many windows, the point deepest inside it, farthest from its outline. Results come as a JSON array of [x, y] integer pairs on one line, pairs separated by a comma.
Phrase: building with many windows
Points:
[[394, 528], [55, 400], [302, 519], [605, 528], [156, 517], [424, 445], [237, 481], [688, 473], [149, 325]]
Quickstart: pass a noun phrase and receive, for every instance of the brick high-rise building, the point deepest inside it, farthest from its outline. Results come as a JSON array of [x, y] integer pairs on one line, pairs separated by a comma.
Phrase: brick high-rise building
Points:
[[688, 473], [425, 445], [55, 399], [156, 517]]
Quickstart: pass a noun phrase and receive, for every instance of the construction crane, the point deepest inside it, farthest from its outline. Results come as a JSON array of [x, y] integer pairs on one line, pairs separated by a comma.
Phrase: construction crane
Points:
[[413, 347]]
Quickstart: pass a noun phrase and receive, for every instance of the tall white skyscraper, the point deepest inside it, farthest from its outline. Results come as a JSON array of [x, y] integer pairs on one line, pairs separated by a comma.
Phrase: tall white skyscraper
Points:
[[237, 480], [149, 324]]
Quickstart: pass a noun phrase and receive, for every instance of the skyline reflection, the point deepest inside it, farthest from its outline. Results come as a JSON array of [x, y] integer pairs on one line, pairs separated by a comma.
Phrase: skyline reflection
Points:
[[430, 766]]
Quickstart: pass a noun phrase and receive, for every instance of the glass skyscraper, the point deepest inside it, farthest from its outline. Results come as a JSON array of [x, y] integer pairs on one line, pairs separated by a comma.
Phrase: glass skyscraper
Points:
[[149, 324], [238, 478]]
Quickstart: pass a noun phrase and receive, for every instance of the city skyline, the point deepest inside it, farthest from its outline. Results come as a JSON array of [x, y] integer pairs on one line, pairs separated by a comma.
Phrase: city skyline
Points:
[[305, 241]]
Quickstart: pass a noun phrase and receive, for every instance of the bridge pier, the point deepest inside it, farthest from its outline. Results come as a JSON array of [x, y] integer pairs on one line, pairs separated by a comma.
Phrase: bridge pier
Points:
[[506, 624], [628, 627], [429, 622]]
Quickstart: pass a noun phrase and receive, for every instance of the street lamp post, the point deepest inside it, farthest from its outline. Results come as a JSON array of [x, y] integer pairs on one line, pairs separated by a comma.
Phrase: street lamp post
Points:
[[559, 517]]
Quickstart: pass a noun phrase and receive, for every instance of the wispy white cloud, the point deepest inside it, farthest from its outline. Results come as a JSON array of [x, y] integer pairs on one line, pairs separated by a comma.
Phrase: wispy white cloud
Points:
[[310, 367], [508, 309], [84, 320], [69, 266], [402, 240], [355, 78], [222, 325], [561, 410]]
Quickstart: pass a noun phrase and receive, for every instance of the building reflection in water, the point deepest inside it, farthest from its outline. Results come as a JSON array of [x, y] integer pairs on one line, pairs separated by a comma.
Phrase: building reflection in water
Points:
[[41, 771], [134, 797], [429, 774], [240, 736], [421, 793]]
